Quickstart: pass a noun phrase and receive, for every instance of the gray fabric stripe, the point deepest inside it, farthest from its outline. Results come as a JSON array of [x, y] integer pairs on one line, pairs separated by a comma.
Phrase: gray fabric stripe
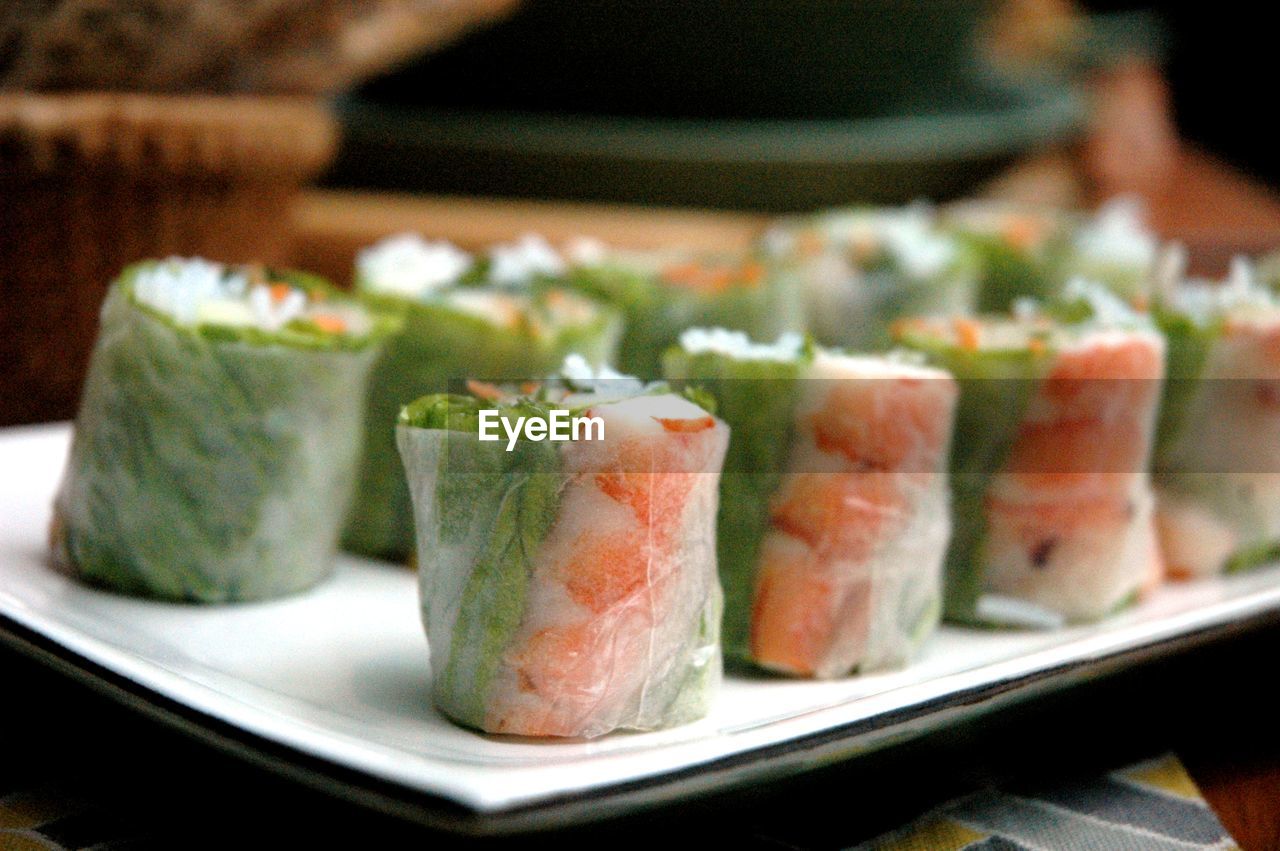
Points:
[[996, 843], [1038, 826], [1190, 821]]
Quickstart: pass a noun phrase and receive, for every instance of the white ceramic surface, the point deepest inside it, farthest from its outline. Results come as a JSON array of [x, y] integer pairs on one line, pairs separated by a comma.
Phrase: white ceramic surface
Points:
[[341, 673]]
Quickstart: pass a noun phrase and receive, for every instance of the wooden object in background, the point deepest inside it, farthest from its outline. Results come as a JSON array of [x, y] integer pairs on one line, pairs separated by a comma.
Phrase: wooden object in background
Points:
[[90, 183], [1212, 208], [223, 46], [333, 226]]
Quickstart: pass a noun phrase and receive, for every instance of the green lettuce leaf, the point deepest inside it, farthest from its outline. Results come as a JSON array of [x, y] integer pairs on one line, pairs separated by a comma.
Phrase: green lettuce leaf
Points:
[[439, 345], [209, 468], [757, 398]]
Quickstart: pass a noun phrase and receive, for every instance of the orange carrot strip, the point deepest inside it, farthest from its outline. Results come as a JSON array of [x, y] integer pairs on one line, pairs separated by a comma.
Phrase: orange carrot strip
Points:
[[484, 390], [968, 333], [752, 273], [1022, 232], [900, 328], [329, 323], [682, 273], [686, 426]]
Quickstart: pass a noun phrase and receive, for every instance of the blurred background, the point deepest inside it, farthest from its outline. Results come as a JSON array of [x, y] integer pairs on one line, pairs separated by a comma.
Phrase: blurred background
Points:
[[295, 131]]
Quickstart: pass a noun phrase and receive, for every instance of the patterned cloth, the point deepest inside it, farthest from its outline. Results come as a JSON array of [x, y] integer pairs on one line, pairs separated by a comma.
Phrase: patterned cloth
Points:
[[1151, 806], [47, 819]]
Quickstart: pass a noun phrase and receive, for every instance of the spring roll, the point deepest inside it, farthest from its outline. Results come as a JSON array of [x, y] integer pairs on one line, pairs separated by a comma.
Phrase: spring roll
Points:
[[568, 588], [1019, 249], [1116, 248], [834, 507], [1030, 252], [663, 293], [1054, 511], [860, 269], [1267, 271], [1217, 463], [460, 317], [216, 444]]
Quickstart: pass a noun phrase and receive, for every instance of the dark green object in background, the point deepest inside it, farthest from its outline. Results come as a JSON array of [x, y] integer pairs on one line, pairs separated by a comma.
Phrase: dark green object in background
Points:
[[752, 104], [773, 165], [739, 59]]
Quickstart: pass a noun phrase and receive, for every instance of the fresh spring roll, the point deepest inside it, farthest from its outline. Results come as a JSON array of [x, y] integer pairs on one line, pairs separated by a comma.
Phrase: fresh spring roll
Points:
[[1054, 513], [1019, 249], [1117, 248], [568, 588], [862, 268], [663, 293], [1267, 271], [216, 445], [834, 506], [757, 392], [1217, 463], [1033, 252], [460, 317]]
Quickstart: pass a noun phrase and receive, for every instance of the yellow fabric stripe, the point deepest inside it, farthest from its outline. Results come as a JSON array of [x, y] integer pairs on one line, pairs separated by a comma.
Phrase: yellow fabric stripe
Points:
[[1165, 774], [26, 809], [25, 842], [936, 834]]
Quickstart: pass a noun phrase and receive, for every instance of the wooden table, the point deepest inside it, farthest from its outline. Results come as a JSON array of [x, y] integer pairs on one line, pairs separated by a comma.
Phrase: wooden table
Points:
[[1213, 209]]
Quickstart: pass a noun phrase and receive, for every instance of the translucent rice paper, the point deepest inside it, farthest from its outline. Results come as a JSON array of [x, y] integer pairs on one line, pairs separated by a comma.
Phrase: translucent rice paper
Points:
[[1032, 252], [208, 469], [439, 344], [758, 398], [834, 506], [660, 299], [1115, 247], [1020, 250], [861, 269], [1054, 516], [569, 589], [850, 574], [1217, 468]]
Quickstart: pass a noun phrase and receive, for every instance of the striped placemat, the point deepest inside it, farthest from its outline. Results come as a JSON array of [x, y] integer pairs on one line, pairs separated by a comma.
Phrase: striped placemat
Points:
[[48, 818], [1151, 806]]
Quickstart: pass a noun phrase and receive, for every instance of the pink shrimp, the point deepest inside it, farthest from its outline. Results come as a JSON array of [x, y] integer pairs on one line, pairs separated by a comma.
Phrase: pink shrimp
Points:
[[875, 436]]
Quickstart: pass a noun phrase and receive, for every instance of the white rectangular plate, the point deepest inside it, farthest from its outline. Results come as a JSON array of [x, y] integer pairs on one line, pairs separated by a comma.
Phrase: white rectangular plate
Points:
[[338, 677]]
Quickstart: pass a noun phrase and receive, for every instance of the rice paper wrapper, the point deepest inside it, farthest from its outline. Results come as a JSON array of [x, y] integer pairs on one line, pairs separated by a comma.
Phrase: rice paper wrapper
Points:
[[758, 399], [208, 469], [854, 309], [850, 572], [1054, 508], [1032, 252], [569, 589], [1217, 465], [859, 270], [764, 306], [1116, 248], [440, 345], [1010, 272], [1020, 252], [834, 506]]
